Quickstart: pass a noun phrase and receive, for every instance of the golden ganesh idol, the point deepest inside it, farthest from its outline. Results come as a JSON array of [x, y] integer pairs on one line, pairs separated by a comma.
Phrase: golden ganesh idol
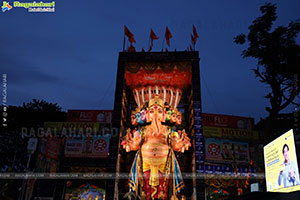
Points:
[[155, 173]]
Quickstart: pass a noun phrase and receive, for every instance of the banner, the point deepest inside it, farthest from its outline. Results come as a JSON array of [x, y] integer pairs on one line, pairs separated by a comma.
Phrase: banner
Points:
[[48, 156], [100, 116], [52, 147], [91, 147], [281, 167], [228, 121], [222, 150], [230, 133], [60, 126]]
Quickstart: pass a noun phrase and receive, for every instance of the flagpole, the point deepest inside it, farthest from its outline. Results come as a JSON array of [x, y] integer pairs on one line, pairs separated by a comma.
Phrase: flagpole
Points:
[[124, 43], [149, 42]]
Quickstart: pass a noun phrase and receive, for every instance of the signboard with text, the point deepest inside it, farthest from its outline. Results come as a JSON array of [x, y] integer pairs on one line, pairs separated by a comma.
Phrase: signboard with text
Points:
[[227, 121], [230, 133], [91, 147], [100, 116], [70, 126], [223, 150], [281, 166]]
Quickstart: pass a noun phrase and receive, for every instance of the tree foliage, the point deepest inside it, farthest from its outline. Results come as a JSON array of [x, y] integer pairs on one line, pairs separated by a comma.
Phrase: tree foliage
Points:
[[42, 105], [13, 147], [278, 57]]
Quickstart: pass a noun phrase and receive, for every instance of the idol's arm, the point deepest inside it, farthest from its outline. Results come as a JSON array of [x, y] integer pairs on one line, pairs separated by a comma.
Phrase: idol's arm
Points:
[[132, 143], [180, 141]]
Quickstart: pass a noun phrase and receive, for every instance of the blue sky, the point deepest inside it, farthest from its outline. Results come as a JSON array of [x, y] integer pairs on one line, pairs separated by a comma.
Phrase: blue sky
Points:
[[70, 56]]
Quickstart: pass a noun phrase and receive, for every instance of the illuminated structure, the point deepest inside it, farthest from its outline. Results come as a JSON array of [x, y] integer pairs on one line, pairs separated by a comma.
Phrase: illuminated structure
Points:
[[152, 90]]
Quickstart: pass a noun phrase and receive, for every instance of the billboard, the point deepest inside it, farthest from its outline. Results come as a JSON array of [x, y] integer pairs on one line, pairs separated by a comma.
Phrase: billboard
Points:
[[100, 116], [88, 147], [227, 121], [281, 167], [230, 133], [48, 155], [223, 150], [61, 126]]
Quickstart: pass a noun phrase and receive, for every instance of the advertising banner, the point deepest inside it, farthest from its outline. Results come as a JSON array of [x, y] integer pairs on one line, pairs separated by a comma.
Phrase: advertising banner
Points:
[[223, 150], [281, 167], [52, 147], [227, 121], [48, 155], [241, 134], [66, 126], [91, 147], [100, 116]]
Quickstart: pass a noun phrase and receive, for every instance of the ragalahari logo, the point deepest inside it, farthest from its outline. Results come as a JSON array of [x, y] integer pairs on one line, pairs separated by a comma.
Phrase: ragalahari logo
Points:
[[6, 6]]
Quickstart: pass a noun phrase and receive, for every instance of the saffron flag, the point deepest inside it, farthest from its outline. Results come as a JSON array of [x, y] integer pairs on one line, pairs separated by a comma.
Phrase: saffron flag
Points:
[[129, 35], [168, 35], [192, 38], [153, 36], [195, 35]]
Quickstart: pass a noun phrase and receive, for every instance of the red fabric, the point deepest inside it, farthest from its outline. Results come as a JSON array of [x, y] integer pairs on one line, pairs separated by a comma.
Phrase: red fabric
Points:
[[195, 35], [131, 48], [149, 190], [168, 35], [129, 35], [192, 39], [159, 77], [153, 36], [127, 32], [195, 32], [225, 192]]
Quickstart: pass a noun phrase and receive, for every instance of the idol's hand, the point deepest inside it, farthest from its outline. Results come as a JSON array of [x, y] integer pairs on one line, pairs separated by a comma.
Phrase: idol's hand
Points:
[[131, 143], [186, 140], [127, 142], [181, 142]]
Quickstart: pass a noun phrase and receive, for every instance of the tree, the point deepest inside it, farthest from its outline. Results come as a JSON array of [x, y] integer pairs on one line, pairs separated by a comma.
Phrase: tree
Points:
[[13, 147], [42, 105], [278, 58]]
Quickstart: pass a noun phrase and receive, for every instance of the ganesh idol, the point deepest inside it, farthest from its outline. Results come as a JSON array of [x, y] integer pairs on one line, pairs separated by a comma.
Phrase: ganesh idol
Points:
[[155, 173]]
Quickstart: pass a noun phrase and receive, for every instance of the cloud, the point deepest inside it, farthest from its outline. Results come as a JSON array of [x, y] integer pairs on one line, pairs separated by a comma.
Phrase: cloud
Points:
[[20, 73]]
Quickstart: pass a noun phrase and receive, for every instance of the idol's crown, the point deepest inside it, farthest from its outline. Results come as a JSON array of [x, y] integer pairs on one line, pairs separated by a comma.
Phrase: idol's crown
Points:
[[156, 101]]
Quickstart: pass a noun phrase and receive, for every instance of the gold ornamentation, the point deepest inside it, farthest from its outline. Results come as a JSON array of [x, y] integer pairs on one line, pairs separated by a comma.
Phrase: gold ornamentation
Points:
[[156, 101]]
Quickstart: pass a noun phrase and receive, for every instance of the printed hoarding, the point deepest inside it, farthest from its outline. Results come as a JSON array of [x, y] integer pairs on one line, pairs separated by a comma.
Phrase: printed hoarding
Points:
[[227, 121], [71, 126], [100, 116], [230, 133], [281, 167], [91, 147], [48, 155], [223, 150]]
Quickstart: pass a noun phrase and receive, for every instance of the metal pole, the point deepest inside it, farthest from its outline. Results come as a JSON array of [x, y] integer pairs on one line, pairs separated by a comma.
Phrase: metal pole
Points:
[[25, 179]]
